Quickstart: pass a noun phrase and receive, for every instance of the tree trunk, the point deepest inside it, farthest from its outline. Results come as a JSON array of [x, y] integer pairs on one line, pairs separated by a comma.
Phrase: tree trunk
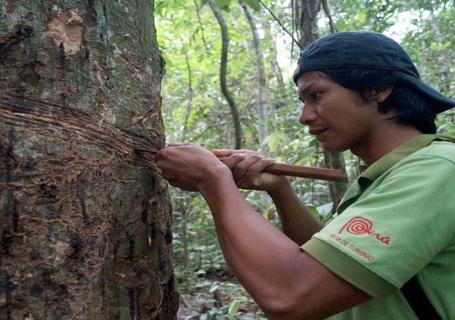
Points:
[[262, 103], [223, 74], [189, 97], [306, 14], [84, 216], [446, 55], [276, 69], [281, 97]]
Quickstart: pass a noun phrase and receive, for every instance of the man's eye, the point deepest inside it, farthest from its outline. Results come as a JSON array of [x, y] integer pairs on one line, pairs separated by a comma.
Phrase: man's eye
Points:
[[316, 96]]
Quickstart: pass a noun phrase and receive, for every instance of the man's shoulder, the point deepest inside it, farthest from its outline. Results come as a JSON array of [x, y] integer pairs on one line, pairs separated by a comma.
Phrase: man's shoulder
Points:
[[442, 149], [433, 162]]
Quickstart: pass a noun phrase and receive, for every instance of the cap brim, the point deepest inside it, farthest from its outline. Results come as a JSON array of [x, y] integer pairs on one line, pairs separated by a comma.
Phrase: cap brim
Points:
[[441, 102]]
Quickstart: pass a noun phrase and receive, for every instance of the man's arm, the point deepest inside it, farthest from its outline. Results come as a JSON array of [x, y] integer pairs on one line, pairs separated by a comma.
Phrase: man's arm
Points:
[[247, 167], [297, 221], [286, 282]]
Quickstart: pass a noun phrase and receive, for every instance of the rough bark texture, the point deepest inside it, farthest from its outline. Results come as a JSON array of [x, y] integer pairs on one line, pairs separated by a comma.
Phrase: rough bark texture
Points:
[[84, 216]]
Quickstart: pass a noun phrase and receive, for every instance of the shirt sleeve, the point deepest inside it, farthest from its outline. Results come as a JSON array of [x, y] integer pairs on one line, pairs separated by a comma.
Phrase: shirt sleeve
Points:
[[393, 230]]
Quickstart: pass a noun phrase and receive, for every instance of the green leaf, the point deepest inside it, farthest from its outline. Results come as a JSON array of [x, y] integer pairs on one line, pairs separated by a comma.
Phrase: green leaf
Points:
[[313, 143], [362, 16], [203, 3], [214, 287], [253, 4], [223, 4], [314, 211], [234, 307]]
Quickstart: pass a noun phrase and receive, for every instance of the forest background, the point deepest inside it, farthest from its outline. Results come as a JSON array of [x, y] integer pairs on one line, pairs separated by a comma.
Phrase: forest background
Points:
[[262, 109]]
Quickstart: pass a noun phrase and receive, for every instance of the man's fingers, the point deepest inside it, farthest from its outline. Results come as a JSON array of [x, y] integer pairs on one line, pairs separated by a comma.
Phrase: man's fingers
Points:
[[251, 166], [257, 167], [223, 152], [169, 148], [170, 145], [261, 180], [233, 160]]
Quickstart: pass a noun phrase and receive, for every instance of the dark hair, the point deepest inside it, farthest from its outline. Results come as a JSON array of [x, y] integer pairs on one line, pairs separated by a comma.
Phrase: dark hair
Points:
[[412, 108]]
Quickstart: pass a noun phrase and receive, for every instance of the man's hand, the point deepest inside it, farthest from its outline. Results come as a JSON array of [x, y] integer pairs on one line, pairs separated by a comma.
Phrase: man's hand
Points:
[[189, 167], [247, 167]]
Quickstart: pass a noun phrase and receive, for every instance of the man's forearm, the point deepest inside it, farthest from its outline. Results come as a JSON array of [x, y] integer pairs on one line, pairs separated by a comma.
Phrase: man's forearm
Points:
[[297, 221], [260, 256], [286, 282]]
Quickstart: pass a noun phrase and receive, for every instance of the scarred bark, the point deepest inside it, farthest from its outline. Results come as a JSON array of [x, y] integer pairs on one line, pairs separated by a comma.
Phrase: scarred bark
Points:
[[84, 216]]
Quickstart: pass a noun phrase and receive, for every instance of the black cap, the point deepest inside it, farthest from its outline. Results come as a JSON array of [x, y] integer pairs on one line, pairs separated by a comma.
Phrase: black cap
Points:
[[370, 51]]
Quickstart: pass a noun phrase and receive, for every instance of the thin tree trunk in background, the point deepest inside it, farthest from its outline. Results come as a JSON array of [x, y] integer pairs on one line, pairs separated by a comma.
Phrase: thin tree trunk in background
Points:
[[85, 221], [185, 241], [326, 9], [199, 19], [190, 95], [274, 57], [223, 73], [262, 104], [335, 160], [182, 203], [445, 58], [306, 13], [280, 99]]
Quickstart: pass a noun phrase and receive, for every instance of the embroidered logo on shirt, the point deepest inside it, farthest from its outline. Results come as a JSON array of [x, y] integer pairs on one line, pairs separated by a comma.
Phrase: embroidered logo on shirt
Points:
[[362, 226]]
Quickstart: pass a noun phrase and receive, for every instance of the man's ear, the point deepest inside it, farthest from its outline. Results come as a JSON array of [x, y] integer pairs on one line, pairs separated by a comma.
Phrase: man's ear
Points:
[[379, 94]]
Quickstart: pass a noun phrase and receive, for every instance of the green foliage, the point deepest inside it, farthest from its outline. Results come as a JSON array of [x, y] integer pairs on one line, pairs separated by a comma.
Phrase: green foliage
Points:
[[368, 15], [224, 4], [234, 307], [431, 46], [253, 4]]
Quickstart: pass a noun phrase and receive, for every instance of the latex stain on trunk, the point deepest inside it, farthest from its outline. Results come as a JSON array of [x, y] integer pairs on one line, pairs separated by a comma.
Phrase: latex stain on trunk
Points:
[[67, 30]]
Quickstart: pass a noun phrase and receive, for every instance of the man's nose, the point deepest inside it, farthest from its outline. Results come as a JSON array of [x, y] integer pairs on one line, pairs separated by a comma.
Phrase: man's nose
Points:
[[307, 115]]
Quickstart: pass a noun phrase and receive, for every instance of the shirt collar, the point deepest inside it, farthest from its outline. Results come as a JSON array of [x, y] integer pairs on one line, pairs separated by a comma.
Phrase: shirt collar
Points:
[[401, 152], [385, 163]]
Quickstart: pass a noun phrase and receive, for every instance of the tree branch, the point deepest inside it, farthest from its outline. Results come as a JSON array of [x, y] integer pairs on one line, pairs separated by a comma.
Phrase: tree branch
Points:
[[280, 23], [326, 8]]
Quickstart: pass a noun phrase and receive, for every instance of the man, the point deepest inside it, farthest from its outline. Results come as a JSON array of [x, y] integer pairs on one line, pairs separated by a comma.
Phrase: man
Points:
[[361, 92]]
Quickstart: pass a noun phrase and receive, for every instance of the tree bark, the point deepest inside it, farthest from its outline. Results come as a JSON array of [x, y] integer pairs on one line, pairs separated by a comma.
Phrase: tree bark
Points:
[[306, 13], [85, 221], [223, 74]]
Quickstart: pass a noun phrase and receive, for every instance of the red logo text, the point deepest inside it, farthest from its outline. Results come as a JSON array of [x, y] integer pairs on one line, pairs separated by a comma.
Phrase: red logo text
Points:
[[361, 226]]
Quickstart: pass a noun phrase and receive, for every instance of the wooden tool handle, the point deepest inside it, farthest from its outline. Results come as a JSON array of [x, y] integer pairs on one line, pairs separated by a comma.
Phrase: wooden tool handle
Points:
[[306, 172]]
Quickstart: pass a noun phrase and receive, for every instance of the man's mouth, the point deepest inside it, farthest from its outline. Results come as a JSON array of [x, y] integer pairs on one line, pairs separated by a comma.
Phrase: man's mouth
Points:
[[317, 131]]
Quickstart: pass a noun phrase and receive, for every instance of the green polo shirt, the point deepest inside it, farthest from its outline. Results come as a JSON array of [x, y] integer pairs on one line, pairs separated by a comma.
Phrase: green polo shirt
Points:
[[396, 221]]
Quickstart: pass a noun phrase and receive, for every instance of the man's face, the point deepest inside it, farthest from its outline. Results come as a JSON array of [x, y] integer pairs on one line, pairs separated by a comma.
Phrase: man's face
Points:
[[338, 117]]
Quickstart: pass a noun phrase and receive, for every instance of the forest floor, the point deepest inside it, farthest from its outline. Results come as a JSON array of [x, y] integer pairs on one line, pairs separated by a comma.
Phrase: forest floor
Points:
[[216, 299]]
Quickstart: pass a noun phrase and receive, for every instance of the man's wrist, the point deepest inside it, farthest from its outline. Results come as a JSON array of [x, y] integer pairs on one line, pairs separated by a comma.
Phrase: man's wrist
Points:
[[214, 176], [281, 188]]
